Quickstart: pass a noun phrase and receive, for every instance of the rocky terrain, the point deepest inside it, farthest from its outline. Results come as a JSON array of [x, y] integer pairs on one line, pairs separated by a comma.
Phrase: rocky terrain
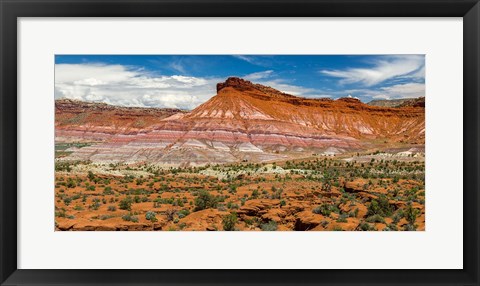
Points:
[[243, 122], [385, 192]]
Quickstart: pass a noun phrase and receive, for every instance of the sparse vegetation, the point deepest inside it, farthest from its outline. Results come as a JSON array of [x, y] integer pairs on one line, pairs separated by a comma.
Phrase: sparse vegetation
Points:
[[270, 226], [229, 221], [387, 193]]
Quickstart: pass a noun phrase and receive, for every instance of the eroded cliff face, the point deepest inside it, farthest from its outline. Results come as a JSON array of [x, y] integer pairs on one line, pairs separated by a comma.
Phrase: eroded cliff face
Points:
[[244, 121], [87, 121]]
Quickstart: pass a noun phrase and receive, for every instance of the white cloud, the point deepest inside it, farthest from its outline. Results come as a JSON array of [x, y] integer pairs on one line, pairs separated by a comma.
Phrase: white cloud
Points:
[[248, 59], [264, 78], [262, 61], [285, 87], [259, 75], [406, 90], [382, 70], [121, 85], [177, 66], [398, 91]]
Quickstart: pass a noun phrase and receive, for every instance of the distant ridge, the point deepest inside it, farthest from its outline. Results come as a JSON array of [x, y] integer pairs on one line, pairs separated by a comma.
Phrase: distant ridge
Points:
[[404, 102]]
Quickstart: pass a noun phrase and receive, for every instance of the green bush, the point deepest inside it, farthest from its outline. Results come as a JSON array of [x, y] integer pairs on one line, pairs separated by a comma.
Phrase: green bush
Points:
[[205, 200], [366, 226], [229, 222], [325, 209], [380, 206], [183, 213], [342, 218], [375, 218], [108, 191], [270, 226], [130, 217], [151, 216], [126, 204], [411, 215], [67, 201], [95, 204]]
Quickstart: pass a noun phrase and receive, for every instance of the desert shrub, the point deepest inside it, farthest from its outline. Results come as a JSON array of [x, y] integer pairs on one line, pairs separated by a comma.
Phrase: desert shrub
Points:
[[249, 221], [324, 209], [95, 204], [112, 208], [183, 213], [108, 191], [342, 218], [126, 204], [232, 189], [270, 226], [178, 202], [70, 183], [170, 213], [375, 218], [231, 205], [67, 201], [91, 176], [353, 213], [324, 223], [380, 206], [277, 193], [391, 227], [136, 199], [397, 216], [282, 203], [151, 216], [130, 217], [161, 201], [411, 214], [365, 226], [104, 217], [229, 222], [60, 212], [205, 200], [409, 227], [78, 208], [337, 228]]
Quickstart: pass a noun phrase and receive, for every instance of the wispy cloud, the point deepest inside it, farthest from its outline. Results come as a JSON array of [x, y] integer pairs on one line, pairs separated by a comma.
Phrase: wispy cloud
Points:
[[177, 66], [127, 86], [257, 60], [283, 86], [248, 59], [407, 90], [382, 69], [268, 78], [259, 75], [396, 91]]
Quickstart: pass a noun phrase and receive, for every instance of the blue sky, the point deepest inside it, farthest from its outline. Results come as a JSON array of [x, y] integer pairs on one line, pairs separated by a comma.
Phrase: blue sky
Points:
[[186, 81]]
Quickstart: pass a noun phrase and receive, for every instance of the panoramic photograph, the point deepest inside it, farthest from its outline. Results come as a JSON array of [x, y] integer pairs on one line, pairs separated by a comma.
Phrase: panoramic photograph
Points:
[[239, 143]]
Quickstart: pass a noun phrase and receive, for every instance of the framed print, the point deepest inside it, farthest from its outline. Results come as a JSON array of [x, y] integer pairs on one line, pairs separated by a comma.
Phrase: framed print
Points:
[[223, 142]]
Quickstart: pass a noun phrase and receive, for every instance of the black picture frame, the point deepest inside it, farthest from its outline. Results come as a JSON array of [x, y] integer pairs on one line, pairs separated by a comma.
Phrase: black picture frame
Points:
[[11, 10]]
